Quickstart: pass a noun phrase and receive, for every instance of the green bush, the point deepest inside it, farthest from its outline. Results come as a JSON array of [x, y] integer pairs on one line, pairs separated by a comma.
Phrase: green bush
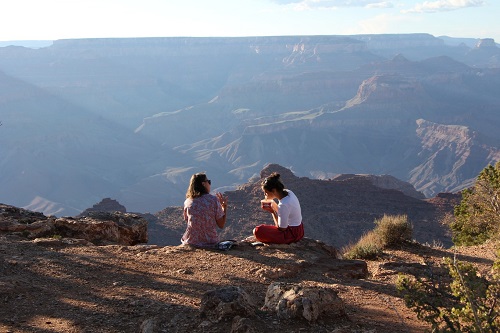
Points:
[[393, 230], [477, 217], [464, 301]]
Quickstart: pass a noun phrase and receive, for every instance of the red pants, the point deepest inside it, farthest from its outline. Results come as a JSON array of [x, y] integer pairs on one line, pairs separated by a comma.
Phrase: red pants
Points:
[[271, 234]]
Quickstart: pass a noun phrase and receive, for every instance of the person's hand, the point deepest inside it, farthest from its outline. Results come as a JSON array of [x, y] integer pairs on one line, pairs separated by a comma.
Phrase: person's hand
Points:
[[222, 200], [268, 208], [268, 205]]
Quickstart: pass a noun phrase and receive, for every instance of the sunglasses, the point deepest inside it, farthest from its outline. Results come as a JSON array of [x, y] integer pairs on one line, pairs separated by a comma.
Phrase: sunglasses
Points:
[[208, 181]]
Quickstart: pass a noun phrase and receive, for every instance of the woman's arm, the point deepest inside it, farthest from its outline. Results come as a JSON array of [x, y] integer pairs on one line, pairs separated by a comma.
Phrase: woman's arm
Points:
[[222, 221], [281, 216], [276, 219]]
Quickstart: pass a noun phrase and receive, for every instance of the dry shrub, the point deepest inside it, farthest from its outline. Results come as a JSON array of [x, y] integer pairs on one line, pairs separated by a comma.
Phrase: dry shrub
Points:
[[393, 230], [389, 231], [368, 247]]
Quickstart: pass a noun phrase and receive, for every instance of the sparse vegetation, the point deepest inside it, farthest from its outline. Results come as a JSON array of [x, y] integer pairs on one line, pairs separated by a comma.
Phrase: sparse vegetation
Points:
[[477, 218], [393, 230], [389, 231], [463, 301], [368, 247]]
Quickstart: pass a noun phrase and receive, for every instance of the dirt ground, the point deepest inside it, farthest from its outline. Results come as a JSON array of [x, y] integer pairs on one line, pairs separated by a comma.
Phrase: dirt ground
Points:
[[64, 286]]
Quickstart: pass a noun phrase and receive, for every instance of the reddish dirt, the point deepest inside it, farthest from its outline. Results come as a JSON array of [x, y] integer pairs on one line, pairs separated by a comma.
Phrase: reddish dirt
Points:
[[48, 286]]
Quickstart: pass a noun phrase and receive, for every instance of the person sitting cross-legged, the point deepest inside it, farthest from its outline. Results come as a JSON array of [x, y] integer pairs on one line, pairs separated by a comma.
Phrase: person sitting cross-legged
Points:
[[287, 215], [203, 212]]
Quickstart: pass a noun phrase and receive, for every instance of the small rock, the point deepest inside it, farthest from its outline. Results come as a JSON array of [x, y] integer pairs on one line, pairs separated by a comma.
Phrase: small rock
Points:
[[226, 303]]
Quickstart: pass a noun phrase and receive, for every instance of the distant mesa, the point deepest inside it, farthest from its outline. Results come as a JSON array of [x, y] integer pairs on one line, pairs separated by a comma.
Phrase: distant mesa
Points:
[[485, 43]]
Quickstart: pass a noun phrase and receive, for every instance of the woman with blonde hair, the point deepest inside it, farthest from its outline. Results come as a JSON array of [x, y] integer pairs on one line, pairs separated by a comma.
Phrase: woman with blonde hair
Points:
[[203, 213]]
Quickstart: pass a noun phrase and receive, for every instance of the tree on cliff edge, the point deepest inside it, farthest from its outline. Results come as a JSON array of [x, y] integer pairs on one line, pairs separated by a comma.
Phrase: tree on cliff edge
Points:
[[477, 218]]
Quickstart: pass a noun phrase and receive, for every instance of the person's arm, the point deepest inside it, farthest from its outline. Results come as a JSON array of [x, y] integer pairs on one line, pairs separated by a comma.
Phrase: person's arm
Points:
[[275, 212], [221, 222], [280, 217], [275, 218]]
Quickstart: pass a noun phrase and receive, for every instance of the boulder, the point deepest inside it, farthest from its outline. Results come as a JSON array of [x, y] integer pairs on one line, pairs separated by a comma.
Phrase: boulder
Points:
[[19, 214], [298, 302], [105, 228], [227, 303]]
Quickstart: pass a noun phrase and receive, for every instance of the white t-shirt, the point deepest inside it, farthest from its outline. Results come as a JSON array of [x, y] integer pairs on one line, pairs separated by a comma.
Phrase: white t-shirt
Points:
[[289, 212]]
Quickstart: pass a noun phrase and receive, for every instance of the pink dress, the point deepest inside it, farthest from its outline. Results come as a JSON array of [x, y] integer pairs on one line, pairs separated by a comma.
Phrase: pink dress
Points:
[[201, 214]]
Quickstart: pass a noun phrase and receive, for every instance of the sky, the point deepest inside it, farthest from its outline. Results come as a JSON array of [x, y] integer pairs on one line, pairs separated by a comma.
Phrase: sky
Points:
[[68, 19]]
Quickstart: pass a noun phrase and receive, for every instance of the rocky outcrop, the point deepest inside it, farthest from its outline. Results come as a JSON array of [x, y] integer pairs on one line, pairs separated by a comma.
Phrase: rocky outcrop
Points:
[[291, 301], [285, 300], [105, 205], [105, 228], [100, 228], [19, 215], [227, 303]]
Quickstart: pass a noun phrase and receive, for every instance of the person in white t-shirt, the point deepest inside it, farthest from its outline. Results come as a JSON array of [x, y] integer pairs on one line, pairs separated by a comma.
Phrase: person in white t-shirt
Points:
[[287, 215]]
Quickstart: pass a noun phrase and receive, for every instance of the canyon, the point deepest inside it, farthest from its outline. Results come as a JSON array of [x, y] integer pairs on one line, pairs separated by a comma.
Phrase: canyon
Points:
[[132, 119]]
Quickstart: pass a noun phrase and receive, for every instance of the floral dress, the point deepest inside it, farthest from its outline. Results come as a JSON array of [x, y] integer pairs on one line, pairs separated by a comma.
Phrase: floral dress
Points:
[[201, 214]]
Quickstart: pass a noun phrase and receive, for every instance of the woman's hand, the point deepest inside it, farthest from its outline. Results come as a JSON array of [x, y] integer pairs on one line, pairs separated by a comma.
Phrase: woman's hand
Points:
[[222, 200], [268, 208], [271, 207]]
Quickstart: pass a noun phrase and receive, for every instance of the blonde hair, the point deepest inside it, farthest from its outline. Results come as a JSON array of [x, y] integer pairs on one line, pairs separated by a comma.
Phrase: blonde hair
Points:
[[196, 188]]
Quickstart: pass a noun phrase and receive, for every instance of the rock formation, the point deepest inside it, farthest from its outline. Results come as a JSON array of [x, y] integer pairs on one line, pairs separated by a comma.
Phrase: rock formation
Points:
[[291, 301], [226, 303], [486, 43], [97, 227], [105, 205]]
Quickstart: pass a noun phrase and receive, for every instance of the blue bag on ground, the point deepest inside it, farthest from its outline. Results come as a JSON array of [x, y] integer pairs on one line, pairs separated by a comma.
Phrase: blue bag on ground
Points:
[[225, 245]]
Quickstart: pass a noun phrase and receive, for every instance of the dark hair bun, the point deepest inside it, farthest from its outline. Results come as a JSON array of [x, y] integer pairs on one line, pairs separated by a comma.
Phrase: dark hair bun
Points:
[[273, 182], [274, 176]]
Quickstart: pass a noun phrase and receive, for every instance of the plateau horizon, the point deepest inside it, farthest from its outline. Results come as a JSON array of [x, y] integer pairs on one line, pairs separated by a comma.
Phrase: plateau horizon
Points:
[[30, 20]]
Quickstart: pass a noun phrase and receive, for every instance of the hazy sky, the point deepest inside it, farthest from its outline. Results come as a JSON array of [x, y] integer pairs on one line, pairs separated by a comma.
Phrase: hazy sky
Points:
[[58, 19]]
